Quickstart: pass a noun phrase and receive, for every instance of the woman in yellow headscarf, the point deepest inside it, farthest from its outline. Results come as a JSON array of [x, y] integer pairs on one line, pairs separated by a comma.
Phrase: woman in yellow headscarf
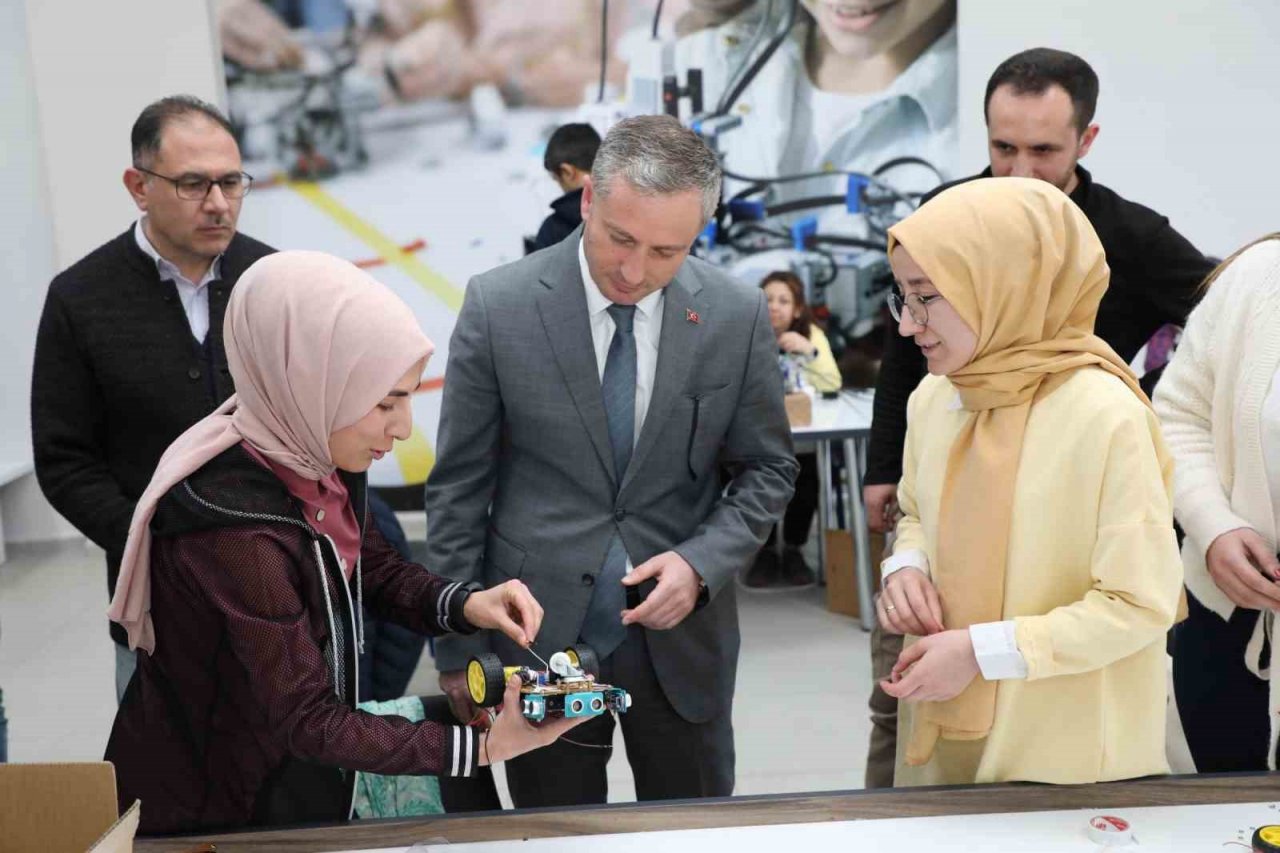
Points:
[[1036, 559]]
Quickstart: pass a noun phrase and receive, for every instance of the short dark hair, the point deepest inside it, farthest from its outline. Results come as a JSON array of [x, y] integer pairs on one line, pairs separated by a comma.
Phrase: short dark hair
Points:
[[1033, 71], [575, 144], [152, 121]]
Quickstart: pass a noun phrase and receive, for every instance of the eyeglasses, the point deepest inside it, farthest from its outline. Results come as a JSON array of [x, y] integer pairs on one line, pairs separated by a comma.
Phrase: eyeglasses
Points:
[[197, 187], [916, 305]]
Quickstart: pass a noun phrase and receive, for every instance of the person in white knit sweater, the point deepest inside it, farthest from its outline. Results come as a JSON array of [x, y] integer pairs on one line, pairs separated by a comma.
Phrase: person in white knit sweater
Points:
[[1219, 404]]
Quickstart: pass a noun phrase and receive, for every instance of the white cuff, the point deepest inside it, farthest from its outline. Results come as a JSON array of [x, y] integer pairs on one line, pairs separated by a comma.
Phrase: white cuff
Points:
[[996, 647], [462, 752], [913, 559]]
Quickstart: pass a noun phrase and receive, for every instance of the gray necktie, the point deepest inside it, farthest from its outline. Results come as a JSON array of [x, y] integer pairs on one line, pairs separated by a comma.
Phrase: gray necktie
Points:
[[603, 629]]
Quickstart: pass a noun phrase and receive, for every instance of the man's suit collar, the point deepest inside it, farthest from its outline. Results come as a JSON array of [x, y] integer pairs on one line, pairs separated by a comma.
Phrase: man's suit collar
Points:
[[562, 305]]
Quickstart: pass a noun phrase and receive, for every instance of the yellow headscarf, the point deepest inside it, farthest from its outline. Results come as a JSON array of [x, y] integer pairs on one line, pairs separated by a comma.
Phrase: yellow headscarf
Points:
[[1024, 269]]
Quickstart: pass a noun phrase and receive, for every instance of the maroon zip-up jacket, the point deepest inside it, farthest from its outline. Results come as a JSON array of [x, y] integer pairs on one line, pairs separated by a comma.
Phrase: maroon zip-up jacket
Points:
[[245, 714]]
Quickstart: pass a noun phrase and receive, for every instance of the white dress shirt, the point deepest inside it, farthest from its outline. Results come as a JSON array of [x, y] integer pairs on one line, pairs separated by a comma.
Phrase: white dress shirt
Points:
[[994, 643], [647, 329], [194, 296]]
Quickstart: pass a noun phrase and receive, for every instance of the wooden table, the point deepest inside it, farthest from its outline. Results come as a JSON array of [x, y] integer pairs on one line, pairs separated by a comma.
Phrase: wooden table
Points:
[[743, 811]]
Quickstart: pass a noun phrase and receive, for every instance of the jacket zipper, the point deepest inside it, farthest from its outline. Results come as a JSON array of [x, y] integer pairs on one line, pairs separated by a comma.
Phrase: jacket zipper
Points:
[[259, 516], [256, 516], [355, 679], [359, 637], [333, 625]]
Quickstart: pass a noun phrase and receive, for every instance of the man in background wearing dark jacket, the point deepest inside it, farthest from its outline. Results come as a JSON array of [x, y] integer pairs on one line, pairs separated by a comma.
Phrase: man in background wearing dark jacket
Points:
[[129, 350], [570, 152], [1039, 109]]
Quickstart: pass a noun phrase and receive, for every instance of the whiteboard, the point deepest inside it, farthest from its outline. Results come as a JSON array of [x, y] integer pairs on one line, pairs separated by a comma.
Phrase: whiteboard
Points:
[[1165, 828]]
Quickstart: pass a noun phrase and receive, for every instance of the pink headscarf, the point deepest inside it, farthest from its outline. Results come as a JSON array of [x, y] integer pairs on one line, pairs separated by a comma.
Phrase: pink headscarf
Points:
[[313, 344]]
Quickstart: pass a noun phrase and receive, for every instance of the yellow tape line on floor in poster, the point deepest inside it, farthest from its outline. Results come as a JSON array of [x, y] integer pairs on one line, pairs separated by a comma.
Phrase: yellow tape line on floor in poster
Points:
[[430, 280], [415, 455]]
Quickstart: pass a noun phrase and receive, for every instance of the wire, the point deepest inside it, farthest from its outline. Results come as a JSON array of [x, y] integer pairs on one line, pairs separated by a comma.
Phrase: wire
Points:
[[804, 204], [757, 228], [909, 161], [759, 184], [587, 745], [735, 233], [657, 16], [752, 45], [762, 228], [782, 179], [831, 261], [847, 242], [604, 45], [810, 202], [783, 33], [879, 199], [539, 657], [744, 78], [750, 189]]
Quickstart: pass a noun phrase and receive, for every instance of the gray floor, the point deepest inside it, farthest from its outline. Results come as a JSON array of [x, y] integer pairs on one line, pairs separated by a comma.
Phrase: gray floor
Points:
[[799, 717]]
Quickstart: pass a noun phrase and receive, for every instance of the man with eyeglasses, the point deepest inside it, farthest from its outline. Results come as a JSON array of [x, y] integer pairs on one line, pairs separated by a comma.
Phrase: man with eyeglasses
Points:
[[129, 350]]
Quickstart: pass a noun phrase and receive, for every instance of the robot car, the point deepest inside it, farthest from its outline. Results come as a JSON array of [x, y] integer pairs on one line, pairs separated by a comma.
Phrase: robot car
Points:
[[566, 688]]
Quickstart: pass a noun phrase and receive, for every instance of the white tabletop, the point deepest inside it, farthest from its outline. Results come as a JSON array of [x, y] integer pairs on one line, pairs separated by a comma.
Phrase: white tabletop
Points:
[[1166, 828], [847, 416]]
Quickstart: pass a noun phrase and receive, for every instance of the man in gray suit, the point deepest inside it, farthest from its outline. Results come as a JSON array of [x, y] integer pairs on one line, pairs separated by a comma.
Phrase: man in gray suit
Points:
[[593, 393]]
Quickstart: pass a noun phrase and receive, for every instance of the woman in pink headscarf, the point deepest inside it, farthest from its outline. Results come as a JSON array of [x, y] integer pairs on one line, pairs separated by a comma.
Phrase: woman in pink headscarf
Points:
[[248, 559]]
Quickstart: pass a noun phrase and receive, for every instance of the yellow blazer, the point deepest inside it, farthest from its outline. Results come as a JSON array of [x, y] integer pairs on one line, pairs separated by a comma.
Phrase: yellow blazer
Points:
[[1093, 578]]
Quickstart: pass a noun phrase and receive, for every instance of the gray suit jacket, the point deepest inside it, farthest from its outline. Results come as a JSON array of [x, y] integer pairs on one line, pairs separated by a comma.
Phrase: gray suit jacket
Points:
[[524, 486]]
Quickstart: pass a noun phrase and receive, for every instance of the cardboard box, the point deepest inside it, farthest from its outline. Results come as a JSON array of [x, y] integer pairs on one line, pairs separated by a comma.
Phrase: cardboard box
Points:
[[842, 585], [63, 808], [799, 409]]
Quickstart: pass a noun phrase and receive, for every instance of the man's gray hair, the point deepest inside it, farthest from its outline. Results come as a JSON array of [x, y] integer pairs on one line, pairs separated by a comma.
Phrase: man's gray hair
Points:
[[657, 155]]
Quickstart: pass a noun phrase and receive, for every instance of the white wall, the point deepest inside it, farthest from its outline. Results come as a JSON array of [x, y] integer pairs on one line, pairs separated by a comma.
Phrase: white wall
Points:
[[26, 254], [96, 65], [75, 75], [1189, 109]]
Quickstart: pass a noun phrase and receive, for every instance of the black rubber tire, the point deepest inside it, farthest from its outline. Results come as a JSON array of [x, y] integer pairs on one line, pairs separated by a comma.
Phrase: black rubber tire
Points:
[[587, 660], [494, 680]]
